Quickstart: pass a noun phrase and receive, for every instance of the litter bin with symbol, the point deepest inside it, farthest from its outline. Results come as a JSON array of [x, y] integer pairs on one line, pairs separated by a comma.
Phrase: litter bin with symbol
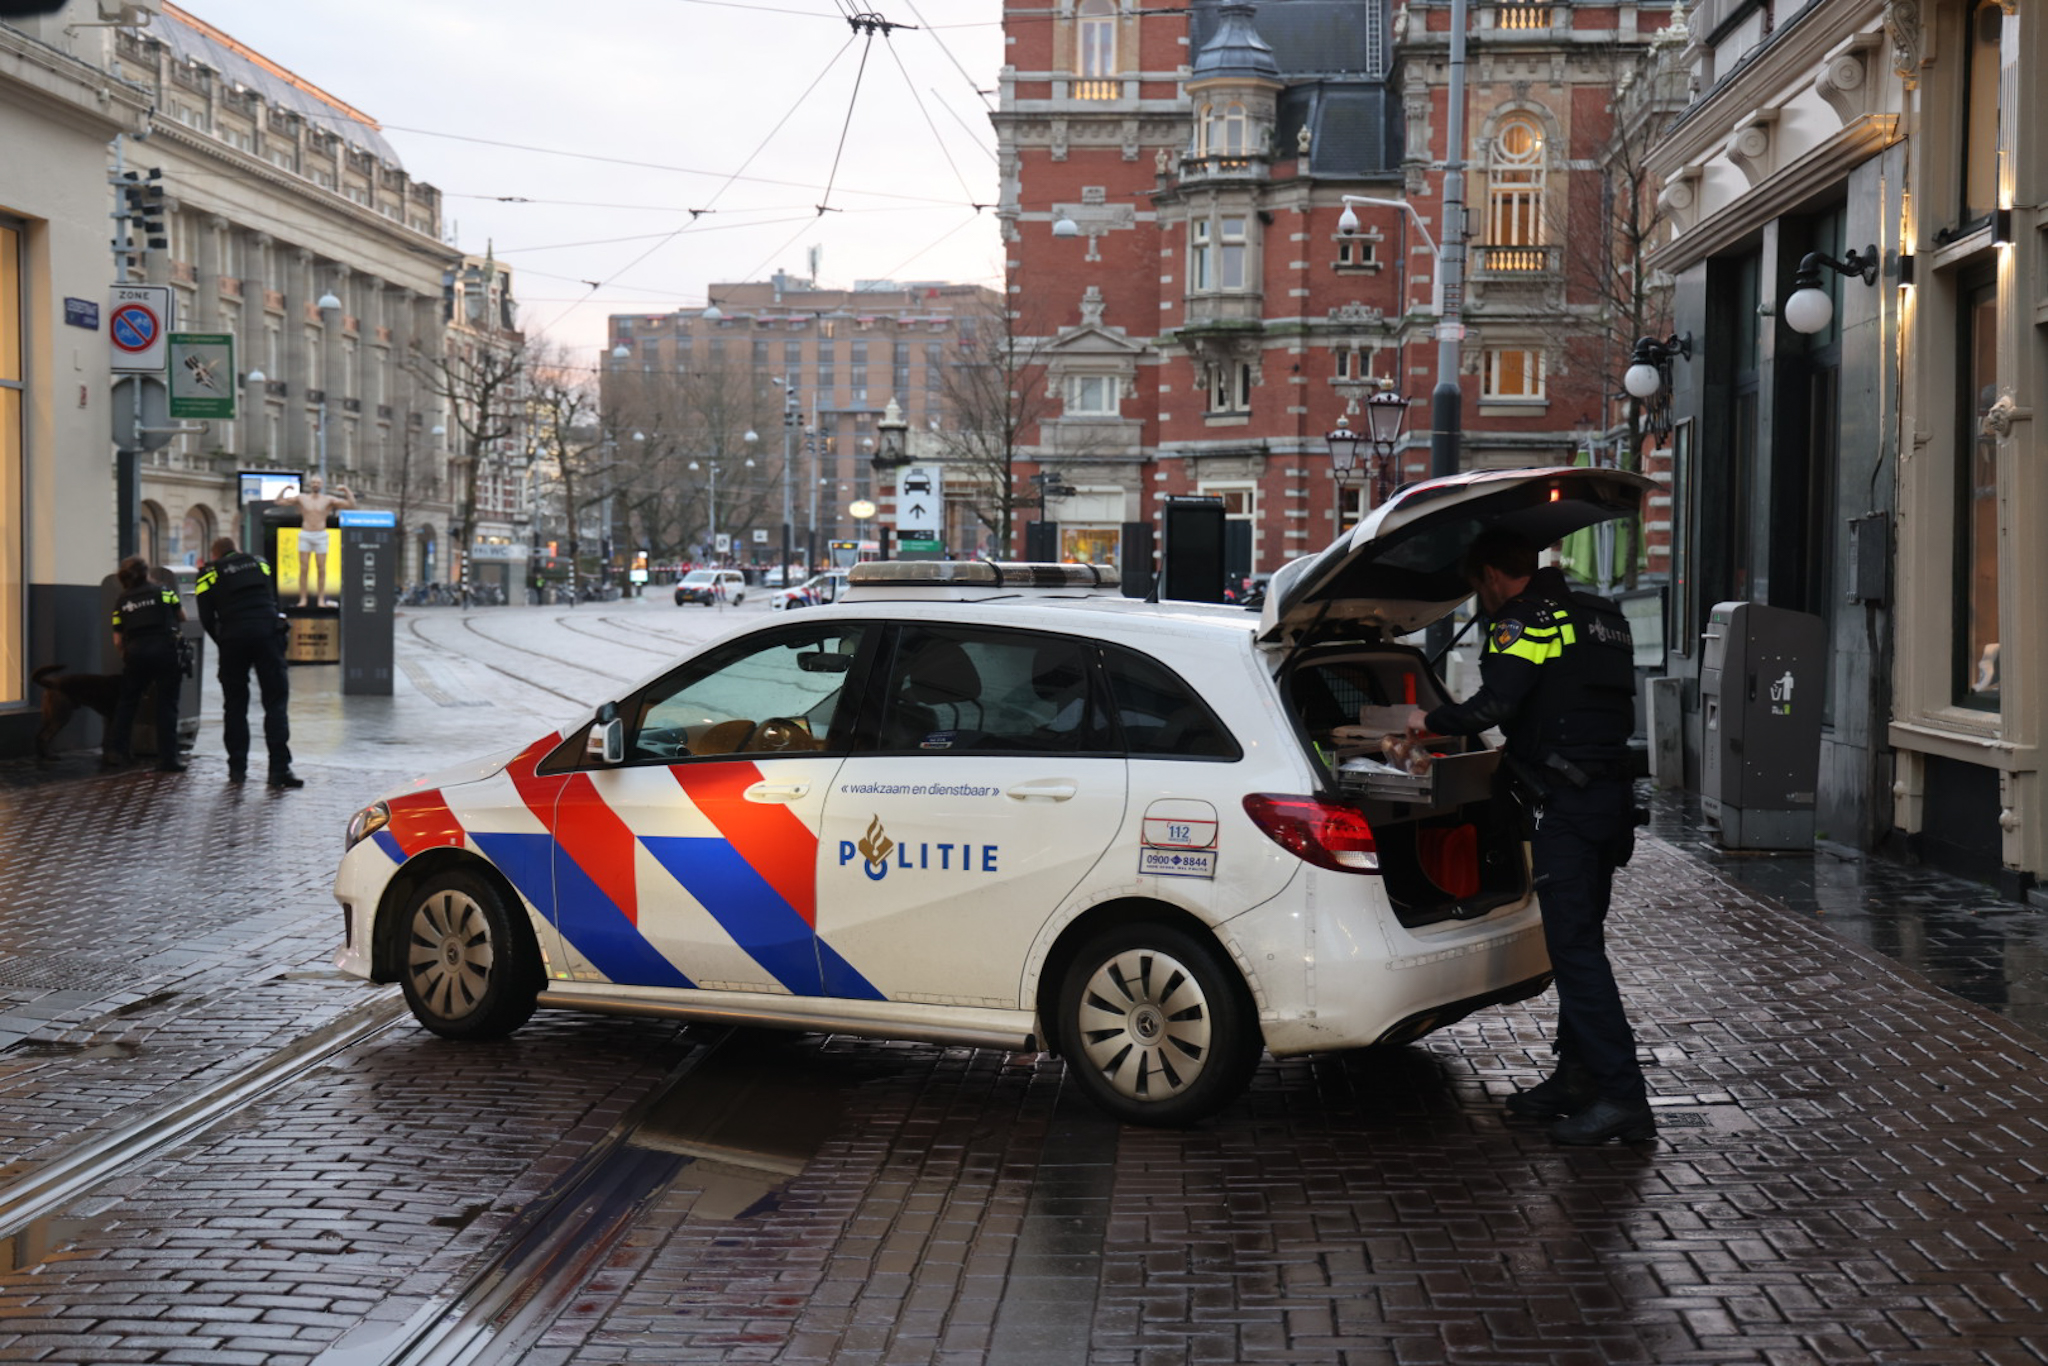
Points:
[[1762, 683]]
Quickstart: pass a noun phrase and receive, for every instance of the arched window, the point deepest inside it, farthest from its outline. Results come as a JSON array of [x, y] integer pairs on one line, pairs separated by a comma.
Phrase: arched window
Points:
[[1096, 47], [1515, 197], [1223, 130]]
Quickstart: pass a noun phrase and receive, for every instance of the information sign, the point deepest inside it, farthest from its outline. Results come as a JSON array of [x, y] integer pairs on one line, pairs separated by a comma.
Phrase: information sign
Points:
[[920, 502], [202, 366]]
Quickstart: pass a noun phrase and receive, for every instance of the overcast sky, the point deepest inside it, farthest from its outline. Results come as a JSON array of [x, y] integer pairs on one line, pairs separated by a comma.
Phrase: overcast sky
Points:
[[695, 91]]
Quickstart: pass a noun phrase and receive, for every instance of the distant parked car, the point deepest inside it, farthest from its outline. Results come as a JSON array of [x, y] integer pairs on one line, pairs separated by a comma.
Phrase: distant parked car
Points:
[[710, 586], [815, 591]]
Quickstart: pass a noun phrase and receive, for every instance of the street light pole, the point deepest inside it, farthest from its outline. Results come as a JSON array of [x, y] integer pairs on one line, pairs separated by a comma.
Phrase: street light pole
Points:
[[1447, 402], [792, 417]]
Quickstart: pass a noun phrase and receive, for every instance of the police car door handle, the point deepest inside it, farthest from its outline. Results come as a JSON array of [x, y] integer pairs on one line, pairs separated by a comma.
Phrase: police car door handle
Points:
[[777, 792], [1045, 790]]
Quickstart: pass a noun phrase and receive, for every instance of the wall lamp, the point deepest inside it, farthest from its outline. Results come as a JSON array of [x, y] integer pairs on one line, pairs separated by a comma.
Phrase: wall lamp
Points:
[[1809, 310], [1649, 370]]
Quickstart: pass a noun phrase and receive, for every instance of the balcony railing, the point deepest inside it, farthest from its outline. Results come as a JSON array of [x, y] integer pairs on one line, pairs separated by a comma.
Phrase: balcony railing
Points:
[[1096, 88], [1515, 15], [1509, 263]]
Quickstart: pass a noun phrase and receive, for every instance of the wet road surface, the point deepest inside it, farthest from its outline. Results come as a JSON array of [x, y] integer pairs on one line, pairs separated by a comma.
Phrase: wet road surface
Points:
[[1845, 1055]]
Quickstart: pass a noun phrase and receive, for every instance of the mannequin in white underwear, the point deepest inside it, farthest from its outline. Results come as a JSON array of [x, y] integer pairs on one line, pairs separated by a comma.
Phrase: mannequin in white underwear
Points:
[[315, 505]]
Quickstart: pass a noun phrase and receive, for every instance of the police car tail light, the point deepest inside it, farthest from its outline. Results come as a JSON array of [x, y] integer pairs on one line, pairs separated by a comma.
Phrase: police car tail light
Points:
[[1323, 833], [366, 823]]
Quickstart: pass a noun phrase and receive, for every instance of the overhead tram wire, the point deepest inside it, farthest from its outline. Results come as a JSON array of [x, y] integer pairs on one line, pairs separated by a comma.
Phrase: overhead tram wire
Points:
[[729, 180], [911, 5], [653, 165], [944, 151]]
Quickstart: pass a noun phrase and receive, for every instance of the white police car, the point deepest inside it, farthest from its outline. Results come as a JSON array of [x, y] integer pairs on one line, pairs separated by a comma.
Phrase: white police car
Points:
[[1002, 805]]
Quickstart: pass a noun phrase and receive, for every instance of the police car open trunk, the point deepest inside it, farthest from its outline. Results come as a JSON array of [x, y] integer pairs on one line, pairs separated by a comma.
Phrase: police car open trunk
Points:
[[1450, 836]]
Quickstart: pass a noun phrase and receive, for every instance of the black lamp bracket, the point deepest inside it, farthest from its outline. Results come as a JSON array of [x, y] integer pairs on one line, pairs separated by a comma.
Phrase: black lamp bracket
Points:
[[1863, 265], [1650, 351]]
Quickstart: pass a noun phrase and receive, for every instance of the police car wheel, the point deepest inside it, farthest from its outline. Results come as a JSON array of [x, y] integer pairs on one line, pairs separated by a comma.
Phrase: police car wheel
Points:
[[1156, 1026], [468, 969]]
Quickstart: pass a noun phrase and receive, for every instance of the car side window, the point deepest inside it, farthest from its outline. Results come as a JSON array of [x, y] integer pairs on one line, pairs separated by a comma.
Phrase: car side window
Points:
[[1159, 715], [780, 692], [957, 690]]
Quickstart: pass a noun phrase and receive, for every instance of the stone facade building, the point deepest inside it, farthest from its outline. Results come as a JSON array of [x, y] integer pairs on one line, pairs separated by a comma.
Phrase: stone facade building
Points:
[[280, 195], [1874, 462]]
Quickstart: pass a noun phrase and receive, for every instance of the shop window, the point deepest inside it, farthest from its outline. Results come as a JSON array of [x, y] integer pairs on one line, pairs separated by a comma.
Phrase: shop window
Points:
[[1977, 635], [1980, 120], [1512, 373]]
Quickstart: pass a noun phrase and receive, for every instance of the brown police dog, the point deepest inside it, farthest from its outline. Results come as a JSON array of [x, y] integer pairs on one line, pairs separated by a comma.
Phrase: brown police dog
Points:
[[65, 693]]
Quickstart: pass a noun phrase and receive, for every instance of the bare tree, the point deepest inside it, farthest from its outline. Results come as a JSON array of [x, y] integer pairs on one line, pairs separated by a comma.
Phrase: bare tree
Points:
[[480, 378], [994, 394], [671, 429]]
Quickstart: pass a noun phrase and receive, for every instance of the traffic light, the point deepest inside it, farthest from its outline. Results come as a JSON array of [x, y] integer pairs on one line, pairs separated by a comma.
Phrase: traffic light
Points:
[[142, 204]]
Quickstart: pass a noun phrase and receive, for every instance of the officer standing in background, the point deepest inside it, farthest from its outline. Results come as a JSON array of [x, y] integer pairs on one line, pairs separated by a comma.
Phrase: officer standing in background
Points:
[[1558, 677], [238, 608], [146, 620]]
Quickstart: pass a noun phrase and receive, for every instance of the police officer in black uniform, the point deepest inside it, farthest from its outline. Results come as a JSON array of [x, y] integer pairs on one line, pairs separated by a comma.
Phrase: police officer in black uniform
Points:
[[238, 608], [1558, 677], [146, 620]]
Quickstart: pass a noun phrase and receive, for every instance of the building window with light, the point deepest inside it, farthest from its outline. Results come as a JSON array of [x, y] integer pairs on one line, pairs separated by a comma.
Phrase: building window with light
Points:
[[1980, 113], [1977, 585], [1512, 373], [1223, 131], [1096, 42], [1514, 202]]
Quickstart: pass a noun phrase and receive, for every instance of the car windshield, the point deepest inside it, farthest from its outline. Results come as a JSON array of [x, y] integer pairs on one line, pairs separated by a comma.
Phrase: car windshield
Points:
[[700, 576]]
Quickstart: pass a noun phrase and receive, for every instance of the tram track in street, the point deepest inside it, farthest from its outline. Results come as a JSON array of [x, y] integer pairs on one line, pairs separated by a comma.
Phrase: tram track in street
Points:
[[516, 1289], [29, 1201], [570, 626], [414, 626]]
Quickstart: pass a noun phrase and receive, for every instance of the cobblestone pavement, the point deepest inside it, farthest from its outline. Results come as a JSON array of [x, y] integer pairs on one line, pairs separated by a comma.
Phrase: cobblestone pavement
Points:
[[1849, 1167]]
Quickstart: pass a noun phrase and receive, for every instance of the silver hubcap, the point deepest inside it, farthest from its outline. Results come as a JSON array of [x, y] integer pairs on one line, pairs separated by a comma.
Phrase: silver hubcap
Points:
[[1144, 1024], [450, 959]]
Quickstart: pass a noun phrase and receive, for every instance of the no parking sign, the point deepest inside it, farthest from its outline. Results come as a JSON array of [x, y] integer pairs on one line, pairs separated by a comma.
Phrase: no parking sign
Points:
[[138, 328]]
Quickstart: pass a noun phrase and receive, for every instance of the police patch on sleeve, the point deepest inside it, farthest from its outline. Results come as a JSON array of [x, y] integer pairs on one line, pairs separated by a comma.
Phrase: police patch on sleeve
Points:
[[1506, 634]]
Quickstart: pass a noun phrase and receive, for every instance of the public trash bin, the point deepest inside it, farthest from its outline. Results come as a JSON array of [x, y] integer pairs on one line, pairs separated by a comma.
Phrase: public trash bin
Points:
[[1761, 689]]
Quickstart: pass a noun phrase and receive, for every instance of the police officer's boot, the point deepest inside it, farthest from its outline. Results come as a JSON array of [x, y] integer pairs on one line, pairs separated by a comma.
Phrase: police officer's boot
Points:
[[1566, 1091]]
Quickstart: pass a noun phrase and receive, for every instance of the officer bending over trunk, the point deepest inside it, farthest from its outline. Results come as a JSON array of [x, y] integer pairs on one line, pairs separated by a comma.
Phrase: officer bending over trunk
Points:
[[1557, 675]]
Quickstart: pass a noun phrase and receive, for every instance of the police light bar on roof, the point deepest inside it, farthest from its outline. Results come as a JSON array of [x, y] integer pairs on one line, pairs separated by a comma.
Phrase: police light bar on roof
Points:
[[978, 574]]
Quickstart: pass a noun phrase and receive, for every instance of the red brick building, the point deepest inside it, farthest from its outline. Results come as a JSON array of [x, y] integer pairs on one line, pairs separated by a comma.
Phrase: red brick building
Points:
[[1173, 180]]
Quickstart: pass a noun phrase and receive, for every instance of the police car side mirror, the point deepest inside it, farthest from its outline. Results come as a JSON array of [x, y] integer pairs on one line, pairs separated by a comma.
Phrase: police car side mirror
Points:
[[606, 742]]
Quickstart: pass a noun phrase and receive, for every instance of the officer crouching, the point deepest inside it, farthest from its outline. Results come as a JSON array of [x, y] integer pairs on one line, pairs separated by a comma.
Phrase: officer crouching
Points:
[[146, 620], [238, 607], [1557, 675]]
